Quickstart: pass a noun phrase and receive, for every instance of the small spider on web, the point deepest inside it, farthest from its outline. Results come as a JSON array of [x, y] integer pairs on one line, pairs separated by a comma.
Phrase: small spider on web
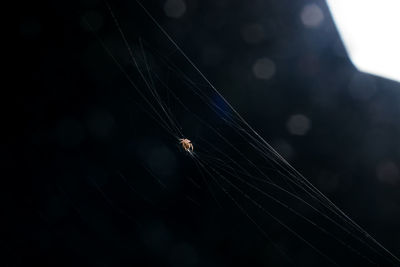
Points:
[[186, 144]]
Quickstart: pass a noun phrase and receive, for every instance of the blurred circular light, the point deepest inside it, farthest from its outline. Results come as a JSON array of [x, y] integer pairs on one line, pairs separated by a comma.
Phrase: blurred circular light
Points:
[[252, 33], [284, 148], [264, 68], [312, 16], [175, 8], [298, 124], [388, 172]]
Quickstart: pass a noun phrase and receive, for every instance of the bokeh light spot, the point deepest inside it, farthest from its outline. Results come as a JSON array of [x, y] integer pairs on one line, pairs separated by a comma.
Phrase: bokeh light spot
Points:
[[252, 33], [311, 16], [264, 68], [388, 172], [284, 148], [175, 8], [298, 124]]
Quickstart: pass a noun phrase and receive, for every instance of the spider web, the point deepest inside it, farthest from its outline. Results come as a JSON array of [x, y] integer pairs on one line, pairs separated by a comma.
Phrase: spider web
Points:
[[231, 161]]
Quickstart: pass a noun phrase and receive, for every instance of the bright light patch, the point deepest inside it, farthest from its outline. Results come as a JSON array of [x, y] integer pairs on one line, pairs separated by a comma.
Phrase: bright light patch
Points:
[[370, 30]]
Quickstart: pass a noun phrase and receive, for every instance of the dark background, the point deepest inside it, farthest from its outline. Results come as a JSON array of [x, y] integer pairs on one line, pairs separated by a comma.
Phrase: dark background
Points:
[[78, 143]]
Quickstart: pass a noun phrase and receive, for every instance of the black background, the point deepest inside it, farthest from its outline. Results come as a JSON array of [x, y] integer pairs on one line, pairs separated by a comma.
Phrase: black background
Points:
[[77, 147]]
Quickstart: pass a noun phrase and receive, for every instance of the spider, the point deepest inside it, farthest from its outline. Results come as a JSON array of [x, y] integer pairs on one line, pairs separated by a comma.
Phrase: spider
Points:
[[186, 144]]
